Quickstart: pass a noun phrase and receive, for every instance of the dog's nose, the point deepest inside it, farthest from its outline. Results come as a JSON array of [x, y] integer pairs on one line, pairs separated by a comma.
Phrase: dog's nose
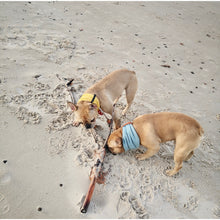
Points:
[[88, 126]]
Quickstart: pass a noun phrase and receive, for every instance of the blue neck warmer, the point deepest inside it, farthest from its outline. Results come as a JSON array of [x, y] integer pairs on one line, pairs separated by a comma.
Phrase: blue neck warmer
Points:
[[130, 137]]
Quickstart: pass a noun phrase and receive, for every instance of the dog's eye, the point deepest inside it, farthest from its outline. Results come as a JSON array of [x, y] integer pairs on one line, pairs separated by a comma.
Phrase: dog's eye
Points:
[[93, 120]]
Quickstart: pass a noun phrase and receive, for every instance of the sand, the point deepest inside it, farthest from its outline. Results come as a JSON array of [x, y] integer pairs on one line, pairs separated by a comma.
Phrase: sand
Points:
[[45, 162]]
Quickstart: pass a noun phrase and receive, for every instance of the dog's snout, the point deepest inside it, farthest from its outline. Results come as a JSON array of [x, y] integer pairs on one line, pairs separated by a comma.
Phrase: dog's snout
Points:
[[108, 149], [88, 126]]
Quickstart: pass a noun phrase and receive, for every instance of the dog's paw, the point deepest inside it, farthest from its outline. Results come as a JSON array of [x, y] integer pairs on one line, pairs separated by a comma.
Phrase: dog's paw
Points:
[[170, 172], [140, 156], [76, 123]]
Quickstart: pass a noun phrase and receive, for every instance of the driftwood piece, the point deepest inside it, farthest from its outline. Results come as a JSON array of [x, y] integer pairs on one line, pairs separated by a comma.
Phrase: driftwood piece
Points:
[[96, 175], [70, 90]]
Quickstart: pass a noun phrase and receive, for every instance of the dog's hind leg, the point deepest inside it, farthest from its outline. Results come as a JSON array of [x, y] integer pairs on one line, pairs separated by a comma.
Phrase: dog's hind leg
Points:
[[178, 165], [183, 151], [189, 156], [130, 93], [108, 109]]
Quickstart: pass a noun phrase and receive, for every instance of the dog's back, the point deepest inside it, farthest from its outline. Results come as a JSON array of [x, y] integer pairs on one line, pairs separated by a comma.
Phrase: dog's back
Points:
[[168, 125], [118, 80]]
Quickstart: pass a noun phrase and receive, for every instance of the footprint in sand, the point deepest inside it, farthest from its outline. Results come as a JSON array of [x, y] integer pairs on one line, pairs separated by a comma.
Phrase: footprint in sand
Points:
[[27, 116], [149, 193], [5, 178], [129, 207], [192, 204], [63, 121], [41, 87], [57, 146], [123, 206], [138, 208], [4, 206], [216, 212]]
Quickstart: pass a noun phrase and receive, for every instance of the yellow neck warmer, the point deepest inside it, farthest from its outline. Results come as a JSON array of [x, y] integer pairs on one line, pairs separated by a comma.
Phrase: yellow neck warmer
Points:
[[89, 97]]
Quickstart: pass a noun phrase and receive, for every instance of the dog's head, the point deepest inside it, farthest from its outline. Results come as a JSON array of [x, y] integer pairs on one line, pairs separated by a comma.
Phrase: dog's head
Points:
[[85, 113], [114, 143]]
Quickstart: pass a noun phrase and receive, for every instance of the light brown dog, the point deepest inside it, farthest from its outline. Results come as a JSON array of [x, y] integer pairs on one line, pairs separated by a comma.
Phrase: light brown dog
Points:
[[157, 128], [107, 90]]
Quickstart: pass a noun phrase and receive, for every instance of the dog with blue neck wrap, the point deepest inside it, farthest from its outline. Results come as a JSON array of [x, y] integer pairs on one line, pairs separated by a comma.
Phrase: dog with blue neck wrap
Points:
[[130, 137], [152, 129]]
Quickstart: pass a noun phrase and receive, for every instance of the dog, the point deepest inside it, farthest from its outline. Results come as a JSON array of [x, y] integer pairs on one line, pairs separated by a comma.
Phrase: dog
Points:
[[150, 130], [102, 95]]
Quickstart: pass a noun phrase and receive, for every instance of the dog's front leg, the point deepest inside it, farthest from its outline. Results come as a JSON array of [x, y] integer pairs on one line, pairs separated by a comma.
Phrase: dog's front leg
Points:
[[149, 153], [117, 121], [146, 155]]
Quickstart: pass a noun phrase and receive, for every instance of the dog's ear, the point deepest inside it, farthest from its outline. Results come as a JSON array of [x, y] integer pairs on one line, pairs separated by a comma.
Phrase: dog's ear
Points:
[[92, 106], [115, 143], [72, 106], [118, 141]]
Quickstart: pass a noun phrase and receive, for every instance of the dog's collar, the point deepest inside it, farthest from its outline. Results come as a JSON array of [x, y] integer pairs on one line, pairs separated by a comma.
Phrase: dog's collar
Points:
[[90, 98], [130, 137]]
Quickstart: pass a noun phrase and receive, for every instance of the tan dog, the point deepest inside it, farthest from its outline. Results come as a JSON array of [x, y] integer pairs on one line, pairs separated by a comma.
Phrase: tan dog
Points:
[[107, 91], [157, 128]]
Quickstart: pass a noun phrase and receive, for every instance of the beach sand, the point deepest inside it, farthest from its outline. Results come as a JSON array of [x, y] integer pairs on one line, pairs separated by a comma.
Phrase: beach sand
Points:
[[45, 162]]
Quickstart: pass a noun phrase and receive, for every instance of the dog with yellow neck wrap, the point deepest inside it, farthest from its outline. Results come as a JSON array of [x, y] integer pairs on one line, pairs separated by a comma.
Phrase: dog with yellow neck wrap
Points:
[[102, 95]]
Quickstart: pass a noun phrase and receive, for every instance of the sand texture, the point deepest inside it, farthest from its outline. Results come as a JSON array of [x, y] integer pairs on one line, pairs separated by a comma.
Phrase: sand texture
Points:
[[174, 48]]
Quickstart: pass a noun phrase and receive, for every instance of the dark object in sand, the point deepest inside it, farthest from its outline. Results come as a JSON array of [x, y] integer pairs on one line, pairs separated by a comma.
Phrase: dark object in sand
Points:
[[167, 66]]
